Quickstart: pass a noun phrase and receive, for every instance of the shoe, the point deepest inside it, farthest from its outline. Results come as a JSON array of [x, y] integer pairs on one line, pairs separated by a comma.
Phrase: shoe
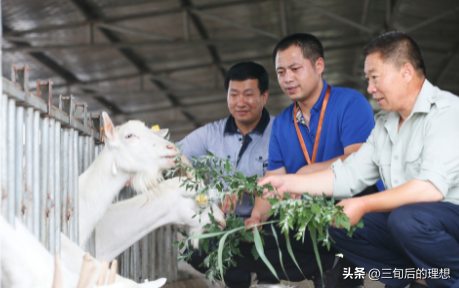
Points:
[[331, 277]]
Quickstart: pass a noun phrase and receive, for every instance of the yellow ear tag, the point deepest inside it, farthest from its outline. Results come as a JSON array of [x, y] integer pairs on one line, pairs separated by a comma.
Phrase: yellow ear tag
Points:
[[201, 200], [155, 127]]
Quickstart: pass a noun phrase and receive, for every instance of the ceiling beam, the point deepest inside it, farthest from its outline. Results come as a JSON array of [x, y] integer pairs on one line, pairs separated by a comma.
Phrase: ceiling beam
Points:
[[448, 63], [234, 24], [159, 13], [432, 19], [120, 45], [204, 35], [93, 13], [336, 16]]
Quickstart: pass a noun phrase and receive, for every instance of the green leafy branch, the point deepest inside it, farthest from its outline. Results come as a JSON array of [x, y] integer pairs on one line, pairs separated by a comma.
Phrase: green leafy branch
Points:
[[312, 213]]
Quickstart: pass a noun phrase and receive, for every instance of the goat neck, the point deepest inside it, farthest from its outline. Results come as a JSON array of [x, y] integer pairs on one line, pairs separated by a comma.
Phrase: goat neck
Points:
[[98, 186]]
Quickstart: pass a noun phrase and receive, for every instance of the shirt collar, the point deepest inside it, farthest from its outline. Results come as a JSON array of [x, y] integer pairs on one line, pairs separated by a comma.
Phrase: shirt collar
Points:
[[231, 127], [317, 106], [425, 98]]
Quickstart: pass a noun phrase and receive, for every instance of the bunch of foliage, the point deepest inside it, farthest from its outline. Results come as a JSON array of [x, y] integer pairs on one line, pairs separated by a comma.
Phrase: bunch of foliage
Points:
[[219, 253], [311, 213]]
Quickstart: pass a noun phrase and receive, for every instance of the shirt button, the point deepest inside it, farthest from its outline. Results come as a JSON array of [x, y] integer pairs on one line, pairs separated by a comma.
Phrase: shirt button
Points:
[[240, 139], [395, 157]]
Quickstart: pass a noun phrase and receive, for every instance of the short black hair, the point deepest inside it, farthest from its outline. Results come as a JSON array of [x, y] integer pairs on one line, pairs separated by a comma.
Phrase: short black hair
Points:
[[248, 70], [310, 46], [397, 48]]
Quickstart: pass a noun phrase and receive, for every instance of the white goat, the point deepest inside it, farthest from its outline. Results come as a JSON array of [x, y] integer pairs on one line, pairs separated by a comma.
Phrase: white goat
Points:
[[26, 263], [127, 221], [131, 151]]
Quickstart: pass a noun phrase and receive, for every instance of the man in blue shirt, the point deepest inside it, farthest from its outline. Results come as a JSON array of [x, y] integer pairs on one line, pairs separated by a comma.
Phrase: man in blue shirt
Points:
[[346, 121], [243, 137]]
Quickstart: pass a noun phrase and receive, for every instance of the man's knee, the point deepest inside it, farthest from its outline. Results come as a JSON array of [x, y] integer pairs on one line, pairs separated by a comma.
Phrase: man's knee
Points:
[[409, 222]]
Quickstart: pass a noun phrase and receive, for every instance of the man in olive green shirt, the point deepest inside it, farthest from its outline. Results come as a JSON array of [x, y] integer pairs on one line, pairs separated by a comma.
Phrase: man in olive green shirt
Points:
[[411, 230]]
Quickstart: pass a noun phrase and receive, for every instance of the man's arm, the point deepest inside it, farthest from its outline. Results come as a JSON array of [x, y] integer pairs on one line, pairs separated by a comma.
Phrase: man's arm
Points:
[[413, 191], [262, 206], [324, 165]]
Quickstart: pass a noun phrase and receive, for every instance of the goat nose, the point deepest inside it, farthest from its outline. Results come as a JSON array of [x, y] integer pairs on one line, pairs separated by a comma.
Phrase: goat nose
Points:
[[170, 146]]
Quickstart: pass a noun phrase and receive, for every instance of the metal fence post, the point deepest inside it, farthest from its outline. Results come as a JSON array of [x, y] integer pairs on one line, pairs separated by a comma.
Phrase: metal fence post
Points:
[[57, 187], [28, 191], [19, 177], [65, 179], [11, 160], [44, 150], [36, 174], [76, 200], [51, 195], [70, 192], [3, 151]]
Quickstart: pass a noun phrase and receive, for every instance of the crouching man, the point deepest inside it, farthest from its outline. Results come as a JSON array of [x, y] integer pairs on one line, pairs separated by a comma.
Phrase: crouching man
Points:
[[411, 230], [243, 137]]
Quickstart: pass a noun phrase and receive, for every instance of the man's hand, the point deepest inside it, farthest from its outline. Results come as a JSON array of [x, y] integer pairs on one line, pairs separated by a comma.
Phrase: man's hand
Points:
[[252, 221], [354, 209], [187, 162], [278, 182], [226, 205]]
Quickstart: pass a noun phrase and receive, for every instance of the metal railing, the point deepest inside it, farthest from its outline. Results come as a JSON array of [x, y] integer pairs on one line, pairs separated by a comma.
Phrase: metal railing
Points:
[[151, 257], [43, 151]]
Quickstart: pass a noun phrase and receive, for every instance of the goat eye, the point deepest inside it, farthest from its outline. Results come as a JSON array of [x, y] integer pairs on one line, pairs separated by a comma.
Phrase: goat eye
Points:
[[129, 136]]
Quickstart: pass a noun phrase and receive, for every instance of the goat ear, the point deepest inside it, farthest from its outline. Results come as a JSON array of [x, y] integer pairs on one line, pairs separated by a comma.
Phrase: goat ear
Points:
[[162, 132], [109, 130]]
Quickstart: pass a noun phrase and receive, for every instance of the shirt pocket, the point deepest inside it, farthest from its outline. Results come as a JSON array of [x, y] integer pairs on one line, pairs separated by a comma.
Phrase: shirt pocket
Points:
[[383, 161], [261, 165], [413, 161]]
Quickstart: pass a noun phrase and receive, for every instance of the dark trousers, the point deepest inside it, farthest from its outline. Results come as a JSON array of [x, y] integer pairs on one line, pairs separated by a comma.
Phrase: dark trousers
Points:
[[422, 235]]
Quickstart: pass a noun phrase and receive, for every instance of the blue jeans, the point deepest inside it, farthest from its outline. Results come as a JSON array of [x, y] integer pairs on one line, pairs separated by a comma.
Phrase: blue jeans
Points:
[[422, 235]]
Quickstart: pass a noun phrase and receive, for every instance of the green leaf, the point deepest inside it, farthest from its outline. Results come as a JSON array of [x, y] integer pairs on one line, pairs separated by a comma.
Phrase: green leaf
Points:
[[259, 247], [290, 252], [280, 251], [313, 233]]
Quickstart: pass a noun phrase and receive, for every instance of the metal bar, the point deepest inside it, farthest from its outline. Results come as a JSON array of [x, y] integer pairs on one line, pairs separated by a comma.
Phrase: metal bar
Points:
[[174, 255], [71, 192], [152, 255], [234, 24], [335, 16], [19, 174], [80, 154], [144, 255], [168, 250], [133, 31], [3, 156], [283, 17], [135, 262], [44, 178], [76, 199], [124, 45], [11, 160], [86, 153], [186, 25], [65, 179], [28, 191], [36, 174], [57, 187], [51, 192], [31, 100], [432, 19], [161, 253]]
